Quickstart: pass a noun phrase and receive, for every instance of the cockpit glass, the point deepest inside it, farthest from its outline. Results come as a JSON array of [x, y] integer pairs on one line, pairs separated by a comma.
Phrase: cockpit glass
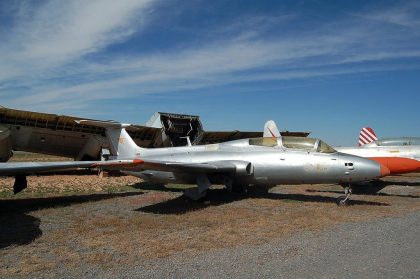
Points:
[[267, 142], [308, 144], [398, 141], [325, 148], [298, 143], [301, 143]]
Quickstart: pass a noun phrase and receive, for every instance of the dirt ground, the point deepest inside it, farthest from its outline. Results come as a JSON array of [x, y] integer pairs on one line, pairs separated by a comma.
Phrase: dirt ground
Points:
[[68, 221]]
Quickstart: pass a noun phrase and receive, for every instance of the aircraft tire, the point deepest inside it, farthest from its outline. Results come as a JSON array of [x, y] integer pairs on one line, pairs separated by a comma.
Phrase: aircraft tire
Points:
[[342, 201]]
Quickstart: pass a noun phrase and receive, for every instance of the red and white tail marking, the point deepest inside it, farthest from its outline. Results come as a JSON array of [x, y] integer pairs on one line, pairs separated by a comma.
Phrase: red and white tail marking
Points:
[[367, 135]]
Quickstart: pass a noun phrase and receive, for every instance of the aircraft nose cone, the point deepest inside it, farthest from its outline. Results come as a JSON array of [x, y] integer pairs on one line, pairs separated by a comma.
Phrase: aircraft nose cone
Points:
[[398, 165], [384, 171], [365, 169]]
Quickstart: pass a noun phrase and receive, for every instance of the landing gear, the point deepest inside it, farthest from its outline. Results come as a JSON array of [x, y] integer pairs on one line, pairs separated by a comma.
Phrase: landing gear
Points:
[[345, 200], [195, 194], [203, 184], [20, 183], [234, 186], [239, 188]]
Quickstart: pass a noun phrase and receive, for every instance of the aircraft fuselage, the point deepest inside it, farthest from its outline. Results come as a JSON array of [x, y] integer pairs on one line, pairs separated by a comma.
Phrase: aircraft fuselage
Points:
[[267, 165]]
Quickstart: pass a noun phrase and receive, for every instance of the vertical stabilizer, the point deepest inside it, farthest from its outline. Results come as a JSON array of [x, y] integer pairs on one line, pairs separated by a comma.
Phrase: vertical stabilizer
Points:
[[121, 144], [270, 130], [367, 135]]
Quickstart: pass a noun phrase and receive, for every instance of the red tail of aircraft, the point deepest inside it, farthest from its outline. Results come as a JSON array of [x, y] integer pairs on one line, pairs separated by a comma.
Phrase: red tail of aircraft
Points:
[[367, 135]]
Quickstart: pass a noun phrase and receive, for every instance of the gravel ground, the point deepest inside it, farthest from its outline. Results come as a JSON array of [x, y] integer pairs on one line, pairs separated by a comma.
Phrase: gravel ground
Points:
[[67, 226], [385, 248]]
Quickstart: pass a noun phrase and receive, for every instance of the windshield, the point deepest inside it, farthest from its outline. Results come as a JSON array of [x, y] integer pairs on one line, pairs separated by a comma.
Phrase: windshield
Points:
[[325, 148]]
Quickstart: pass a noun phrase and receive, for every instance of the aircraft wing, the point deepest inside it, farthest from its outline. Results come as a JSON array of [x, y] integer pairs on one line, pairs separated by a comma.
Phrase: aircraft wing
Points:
[[225, 166], [193, 167], [10, 169]]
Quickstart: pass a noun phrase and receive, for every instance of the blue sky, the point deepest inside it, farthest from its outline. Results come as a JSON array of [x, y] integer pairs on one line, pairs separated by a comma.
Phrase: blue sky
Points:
[[329, 67]]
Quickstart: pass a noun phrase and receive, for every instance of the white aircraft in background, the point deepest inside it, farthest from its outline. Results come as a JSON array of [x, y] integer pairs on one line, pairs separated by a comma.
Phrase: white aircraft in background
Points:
[[368, 138]]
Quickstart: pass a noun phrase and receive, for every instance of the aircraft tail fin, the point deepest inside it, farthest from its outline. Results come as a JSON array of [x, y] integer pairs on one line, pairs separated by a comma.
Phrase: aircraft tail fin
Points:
[[271, 130], [121, 144], [367, 135]]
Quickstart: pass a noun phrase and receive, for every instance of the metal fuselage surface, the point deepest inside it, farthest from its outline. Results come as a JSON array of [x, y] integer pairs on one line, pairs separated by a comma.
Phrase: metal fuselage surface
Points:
[[270, 165]]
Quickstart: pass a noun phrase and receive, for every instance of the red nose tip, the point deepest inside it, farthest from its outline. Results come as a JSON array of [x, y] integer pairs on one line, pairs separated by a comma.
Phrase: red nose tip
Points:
[[384, 171], [398, 165]]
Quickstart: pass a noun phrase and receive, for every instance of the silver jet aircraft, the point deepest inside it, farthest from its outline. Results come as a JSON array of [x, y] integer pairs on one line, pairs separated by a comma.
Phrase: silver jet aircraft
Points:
[[235, 164]]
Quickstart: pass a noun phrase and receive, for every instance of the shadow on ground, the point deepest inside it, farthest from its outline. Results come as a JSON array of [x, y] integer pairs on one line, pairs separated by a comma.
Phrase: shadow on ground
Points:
[[182, 204], [373, 193], [17, 227], [401, 183], [155, 187]]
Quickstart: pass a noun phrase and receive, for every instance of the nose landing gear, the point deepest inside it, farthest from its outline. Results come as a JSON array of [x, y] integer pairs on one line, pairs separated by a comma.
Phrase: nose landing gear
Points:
[[345, 200]]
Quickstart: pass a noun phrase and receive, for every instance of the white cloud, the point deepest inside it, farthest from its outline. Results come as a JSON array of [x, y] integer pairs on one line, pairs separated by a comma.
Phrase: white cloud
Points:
[[405, 15], [54, 33], [67, 79]]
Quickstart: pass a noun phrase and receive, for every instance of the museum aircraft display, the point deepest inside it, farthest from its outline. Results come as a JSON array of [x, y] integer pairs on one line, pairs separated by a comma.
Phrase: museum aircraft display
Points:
[[235, 164]]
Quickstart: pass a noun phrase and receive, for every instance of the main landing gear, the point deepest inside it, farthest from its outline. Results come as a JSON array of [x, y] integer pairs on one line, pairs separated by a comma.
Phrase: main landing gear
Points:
[[20, 183], [345, 200], [239, 188]]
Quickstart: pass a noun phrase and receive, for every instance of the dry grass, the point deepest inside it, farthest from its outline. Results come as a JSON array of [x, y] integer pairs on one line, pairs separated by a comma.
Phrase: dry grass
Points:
[[149, 224], [63, 184]]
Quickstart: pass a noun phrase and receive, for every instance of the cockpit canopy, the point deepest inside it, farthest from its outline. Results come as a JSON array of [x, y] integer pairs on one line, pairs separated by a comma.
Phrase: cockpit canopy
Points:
[[307, 144], [267, 142], [395, 142]]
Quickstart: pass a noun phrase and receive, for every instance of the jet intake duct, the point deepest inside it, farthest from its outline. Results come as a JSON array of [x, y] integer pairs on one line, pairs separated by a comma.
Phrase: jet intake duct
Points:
[[244, 168]]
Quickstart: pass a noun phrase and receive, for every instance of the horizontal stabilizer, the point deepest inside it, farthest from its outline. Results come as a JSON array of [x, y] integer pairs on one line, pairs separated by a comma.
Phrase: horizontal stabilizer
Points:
[[121, 144]]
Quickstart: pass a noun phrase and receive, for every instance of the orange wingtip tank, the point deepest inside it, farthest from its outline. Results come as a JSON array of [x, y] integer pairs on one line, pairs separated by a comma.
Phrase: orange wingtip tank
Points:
[[398, 165]]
